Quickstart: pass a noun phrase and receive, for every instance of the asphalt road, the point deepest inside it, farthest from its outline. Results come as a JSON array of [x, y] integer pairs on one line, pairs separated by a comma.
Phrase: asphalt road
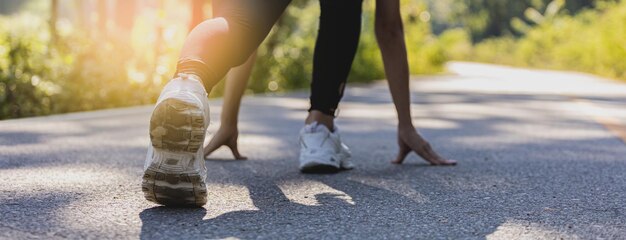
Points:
[[540, 156]]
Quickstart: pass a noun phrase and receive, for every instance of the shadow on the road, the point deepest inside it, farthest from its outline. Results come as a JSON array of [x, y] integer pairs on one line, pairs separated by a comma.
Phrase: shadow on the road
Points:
[[16, 138], [276, 217], [40, 143]]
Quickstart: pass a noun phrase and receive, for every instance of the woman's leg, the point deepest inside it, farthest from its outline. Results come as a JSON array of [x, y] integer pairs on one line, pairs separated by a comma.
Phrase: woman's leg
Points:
[[321, 149], [228, 40], [337, 42]]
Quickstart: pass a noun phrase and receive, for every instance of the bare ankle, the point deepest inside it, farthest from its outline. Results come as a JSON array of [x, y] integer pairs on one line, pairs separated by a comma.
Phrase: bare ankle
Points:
[[321, 118]]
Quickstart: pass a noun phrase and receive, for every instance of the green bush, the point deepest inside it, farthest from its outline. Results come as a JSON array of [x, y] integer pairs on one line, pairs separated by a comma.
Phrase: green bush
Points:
[[86, 70], [74, 73], [28, 70], [591, 41], [427, 53], [83, 70]]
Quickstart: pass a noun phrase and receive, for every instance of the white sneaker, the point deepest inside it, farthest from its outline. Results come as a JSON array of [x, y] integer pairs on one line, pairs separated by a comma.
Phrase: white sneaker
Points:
[[322, 150], [174, 172], [346, 159]]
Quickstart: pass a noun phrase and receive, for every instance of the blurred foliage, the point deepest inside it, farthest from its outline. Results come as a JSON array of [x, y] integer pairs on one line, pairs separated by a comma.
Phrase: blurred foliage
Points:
[[286, 57], [591, 41], [75, 73], [85, 69], [28, 68], [494, 18]]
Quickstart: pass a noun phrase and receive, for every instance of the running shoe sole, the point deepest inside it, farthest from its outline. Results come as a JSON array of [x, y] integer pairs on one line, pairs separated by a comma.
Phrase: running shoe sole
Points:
[[320, 169], [176, 132], [318, 166]]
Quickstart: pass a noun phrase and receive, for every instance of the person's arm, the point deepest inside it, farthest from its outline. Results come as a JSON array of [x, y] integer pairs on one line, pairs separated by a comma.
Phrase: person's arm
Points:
[[228, 133], [390, 36]]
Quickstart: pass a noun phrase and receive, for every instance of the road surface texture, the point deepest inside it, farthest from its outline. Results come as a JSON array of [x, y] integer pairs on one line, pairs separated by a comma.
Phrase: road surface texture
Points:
[[541, 156]]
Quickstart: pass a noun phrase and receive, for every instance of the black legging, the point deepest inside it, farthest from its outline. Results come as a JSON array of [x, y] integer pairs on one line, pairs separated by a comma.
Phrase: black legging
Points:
[[337, 41], [241, 25]]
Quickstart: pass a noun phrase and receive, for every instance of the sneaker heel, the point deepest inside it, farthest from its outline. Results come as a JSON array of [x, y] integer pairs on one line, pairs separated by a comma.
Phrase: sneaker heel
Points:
[[177, 134]]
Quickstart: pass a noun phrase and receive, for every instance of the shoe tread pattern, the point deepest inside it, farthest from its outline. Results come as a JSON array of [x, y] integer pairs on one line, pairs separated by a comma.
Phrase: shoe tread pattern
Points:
[[176, 127], [174, 189]]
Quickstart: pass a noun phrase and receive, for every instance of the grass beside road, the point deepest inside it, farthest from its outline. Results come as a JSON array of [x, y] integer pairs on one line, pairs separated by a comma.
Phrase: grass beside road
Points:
[[592, 41]]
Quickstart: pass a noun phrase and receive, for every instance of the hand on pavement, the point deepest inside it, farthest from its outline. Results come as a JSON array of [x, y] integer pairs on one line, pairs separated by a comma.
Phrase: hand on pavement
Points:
[[409, 140], [224, 138]]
